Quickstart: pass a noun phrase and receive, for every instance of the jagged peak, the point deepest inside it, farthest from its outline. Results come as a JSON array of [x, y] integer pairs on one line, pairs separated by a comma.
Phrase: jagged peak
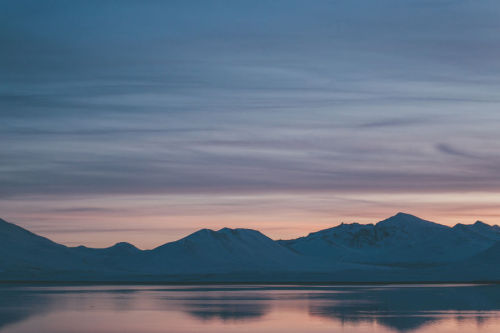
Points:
[[404, 219], [343, 224], [351, 227], [117, 246], [405, 216], [205, 232], [206, 236], [401, 219], [481, 224], [227, 230], [477, 224], [223, 232], [354, 226]]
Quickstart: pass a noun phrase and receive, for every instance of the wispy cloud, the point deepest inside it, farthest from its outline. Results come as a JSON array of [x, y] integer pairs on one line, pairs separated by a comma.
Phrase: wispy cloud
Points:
[[114, 99], [401, 122], [450, 150]]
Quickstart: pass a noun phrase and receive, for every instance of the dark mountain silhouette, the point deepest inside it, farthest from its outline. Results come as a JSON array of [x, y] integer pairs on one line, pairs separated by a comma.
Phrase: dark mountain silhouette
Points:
[[400, 248], [401, 239]]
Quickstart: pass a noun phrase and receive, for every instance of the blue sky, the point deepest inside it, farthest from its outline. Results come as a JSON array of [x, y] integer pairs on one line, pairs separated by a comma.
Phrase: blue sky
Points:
[[145, 120]]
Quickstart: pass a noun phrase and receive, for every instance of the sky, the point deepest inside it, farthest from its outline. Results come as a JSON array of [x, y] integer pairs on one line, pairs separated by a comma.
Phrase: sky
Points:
[[143, 121]]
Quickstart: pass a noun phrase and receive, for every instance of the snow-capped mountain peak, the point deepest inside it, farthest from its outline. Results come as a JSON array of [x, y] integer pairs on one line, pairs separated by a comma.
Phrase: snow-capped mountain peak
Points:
[[402, 241], [403, 220]]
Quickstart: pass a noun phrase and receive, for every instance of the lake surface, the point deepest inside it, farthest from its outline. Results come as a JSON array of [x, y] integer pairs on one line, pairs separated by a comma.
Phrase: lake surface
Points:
[[231, 308]]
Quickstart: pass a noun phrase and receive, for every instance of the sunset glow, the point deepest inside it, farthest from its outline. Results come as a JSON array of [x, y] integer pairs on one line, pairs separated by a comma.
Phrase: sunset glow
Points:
[[144, 123]]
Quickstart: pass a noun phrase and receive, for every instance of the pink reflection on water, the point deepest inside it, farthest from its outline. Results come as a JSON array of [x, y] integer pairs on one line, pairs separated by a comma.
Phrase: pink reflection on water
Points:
[[189, 309]]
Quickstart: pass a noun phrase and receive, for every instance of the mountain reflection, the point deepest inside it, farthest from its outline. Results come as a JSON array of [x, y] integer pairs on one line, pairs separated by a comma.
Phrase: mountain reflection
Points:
[[227, 311], [421, 309], [18, 305], [408, 308]]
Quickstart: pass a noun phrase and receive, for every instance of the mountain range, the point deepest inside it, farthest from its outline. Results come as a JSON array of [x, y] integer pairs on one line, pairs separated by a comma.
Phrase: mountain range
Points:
[[402, 248]]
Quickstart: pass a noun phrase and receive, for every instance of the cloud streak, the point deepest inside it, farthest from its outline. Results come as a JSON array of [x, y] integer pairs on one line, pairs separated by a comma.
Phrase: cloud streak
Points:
[[110, 99]]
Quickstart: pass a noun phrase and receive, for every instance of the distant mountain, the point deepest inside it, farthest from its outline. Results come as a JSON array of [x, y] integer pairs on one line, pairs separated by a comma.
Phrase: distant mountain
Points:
[[22, 250], [400, 248], [121, 257], [224, 250], [402, 239], [479, 230]]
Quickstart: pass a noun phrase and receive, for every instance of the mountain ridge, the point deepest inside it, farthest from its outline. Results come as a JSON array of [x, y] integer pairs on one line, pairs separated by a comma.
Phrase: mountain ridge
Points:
[[402, 238], [400, 247]]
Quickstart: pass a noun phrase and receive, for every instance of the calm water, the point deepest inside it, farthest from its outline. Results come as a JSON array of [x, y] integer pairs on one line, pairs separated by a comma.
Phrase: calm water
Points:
[[145, 309]]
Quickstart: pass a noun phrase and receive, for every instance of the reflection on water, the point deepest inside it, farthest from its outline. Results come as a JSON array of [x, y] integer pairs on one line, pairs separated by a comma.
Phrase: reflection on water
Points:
[[147, 309]]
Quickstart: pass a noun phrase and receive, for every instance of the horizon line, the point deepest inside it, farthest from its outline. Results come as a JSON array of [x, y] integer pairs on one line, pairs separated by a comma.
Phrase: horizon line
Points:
[[250, 229]]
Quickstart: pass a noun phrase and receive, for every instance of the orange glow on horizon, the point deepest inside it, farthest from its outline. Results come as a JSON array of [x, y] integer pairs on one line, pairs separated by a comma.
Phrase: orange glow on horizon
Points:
[[149, 221]]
